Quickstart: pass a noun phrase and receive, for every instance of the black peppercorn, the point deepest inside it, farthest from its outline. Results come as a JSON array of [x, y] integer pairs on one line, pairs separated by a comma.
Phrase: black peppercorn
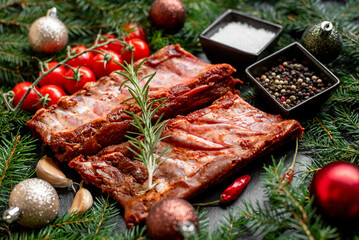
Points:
[[291, 83]]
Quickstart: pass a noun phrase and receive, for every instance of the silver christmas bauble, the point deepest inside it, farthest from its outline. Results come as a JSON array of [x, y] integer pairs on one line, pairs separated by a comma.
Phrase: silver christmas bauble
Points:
[[48, 34], [33, 203]]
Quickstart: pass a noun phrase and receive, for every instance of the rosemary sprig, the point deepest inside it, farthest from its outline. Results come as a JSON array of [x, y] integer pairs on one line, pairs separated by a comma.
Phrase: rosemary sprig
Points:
[[150, 133]]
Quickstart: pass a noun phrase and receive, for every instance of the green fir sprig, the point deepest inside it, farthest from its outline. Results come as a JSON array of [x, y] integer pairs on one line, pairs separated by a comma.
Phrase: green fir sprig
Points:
[[149, 131], [16, 163]]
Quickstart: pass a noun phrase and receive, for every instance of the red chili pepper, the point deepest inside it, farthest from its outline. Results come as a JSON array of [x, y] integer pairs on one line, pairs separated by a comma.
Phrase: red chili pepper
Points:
[[235, 189], [231, 193], [287, 178]]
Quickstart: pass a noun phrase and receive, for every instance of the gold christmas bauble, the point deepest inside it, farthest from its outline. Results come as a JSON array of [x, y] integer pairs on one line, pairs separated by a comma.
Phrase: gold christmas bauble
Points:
[[48, 34], [33, 203]]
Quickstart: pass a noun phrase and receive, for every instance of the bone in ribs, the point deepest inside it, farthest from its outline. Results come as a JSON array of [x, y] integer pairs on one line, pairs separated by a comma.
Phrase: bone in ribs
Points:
[[205, 147], [94, 117]]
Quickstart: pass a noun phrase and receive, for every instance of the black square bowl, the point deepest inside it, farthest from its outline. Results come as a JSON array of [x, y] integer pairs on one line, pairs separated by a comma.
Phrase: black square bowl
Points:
[[219, 52], [293, 51]]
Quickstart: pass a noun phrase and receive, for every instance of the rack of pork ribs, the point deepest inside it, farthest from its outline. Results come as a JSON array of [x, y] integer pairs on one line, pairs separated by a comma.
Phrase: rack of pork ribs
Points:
[[205, 146], [95, 117]]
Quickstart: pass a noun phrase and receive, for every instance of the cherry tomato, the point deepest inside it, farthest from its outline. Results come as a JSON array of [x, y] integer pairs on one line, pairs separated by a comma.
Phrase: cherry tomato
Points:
[[101, 67], [113, 46], [54, 93], [76, 80], [31, 100], [56, 77], [140, 50], [135, 31], [84, 59]]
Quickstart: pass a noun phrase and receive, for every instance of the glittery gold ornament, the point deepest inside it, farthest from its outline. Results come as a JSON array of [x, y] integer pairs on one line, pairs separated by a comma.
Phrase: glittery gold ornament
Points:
[[33, 203], [48, 34], [172, 219], [323, 41], [168, 14]]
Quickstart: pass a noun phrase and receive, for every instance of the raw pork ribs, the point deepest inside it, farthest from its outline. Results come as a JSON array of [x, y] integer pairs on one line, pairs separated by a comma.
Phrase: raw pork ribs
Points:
[[94, 117], [205, 147]]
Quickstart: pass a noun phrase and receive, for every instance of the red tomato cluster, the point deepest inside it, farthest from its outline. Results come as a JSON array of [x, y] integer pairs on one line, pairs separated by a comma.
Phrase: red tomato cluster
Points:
[[87, 67]]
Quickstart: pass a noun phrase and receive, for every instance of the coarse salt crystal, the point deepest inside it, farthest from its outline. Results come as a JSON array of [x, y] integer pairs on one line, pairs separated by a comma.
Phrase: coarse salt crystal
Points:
[[243, 36]]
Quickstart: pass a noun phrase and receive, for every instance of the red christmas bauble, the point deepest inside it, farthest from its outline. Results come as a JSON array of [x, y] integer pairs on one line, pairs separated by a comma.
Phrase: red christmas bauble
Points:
[[335, 189]]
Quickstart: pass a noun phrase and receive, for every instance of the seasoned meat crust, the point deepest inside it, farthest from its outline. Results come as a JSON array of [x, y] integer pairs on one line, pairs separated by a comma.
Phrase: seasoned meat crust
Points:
[[205, 147], [94, 117]]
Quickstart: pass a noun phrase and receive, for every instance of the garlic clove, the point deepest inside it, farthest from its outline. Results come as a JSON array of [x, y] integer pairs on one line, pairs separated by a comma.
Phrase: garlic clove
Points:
[[82, 201], [47, 170]]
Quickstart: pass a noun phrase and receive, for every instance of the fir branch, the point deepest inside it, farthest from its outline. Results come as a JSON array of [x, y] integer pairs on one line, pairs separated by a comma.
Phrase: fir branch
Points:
[[29, 3], [102, 218], [96, 223], [13, 41], [16, 158], [313, 170], [350, 121], [136, 233], [9, 159], [104, 223], [230, 227], [319, 129], [338, 151], [72, 222], [203, 233], [326, 131], [11, 122], [311, 6], [347, 93], [285, 209], [249, 96], [261, 219], [15, 58], [349, 11], [10, 4], [301, 220], [15, 23]]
